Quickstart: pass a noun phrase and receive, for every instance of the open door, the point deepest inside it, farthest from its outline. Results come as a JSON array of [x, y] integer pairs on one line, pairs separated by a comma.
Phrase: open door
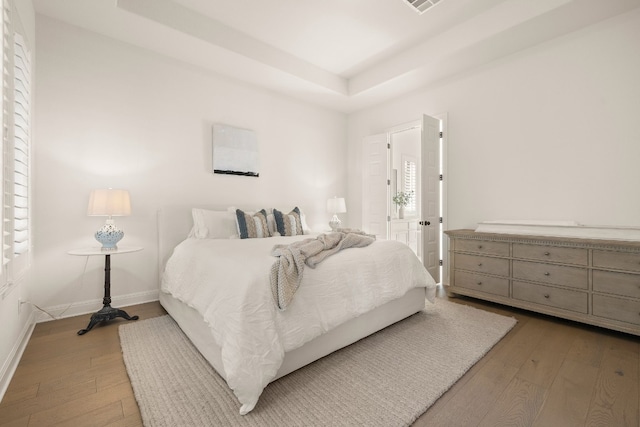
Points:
[[375, 185], [378, 211], [430, 221]]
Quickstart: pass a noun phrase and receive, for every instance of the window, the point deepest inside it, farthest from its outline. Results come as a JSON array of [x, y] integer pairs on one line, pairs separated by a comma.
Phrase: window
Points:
[[7, 84], [409, 181], [21, 145], [16, 141]]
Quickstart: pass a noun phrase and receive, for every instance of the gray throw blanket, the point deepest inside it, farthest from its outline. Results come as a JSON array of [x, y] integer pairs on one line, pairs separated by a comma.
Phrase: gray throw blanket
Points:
[[286, 272]]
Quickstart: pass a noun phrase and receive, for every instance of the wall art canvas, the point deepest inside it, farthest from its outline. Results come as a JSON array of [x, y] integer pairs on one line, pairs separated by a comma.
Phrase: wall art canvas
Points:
[[235, 151]]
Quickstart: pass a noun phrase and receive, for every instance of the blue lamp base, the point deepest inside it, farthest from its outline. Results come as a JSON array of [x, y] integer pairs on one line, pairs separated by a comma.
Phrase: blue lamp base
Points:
[[109, 236]]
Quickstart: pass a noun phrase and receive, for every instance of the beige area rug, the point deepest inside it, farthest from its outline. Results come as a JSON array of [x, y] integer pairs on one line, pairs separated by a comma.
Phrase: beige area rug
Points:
[[387, 379]]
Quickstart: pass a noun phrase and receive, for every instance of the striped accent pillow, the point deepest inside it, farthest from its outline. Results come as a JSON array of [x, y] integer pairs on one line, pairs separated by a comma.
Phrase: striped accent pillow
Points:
[[252, 225], [288, 224]]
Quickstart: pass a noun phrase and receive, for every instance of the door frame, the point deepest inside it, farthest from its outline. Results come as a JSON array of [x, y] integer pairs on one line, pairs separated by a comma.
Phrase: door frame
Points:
[[444, 242]]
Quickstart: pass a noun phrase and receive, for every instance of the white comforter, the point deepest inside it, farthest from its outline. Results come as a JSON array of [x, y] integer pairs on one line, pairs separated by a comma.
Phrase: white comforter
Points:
[[227, 281]]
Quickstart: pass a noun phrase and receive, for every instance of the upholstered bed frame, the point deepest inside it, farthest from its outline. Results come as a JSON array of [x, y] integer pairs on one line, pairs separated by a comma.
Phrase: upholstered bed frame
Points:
[[174, 224]]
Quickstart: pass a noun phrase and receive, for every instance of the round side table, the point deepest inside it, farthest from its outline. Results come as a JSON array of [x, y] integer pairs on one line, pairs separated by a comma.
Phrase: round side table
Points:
[[107, 312]]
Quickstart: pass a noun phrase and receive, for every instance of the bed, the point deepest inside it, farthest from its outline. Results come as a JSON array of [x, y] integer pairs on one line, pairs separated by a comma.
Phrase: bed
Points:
[[324, 316]]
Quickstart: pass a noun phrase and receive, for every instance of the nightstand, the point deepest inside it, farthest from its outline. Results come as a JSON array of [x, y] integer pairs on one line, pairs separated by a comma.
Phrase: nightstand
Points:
[[107, 312]]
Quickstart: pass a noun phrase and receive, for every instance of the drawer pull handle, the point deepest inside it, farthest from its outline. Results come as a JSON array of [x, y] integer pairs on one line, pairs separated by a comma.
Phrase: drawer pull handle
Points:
[[479, 264], [546, 273], [546, 296], [547, 253], [479, 283]]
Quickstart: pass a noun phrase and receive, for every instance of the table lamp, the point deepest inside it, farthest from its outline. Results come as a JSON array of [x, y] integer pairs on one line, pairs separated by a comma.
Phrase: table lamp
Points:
[[109, 203], [336, 205]]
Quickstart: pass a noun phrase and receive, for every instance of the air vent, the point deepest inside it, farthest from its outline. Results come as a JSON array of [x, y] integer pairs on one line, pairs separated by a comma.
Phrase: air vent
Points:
[[421, 6]]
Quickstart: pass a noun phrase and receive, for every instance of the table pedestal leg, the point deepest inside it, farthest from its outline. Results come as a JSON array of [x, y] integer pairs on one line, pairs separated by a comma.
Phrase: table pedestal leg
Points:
[[107, 312]]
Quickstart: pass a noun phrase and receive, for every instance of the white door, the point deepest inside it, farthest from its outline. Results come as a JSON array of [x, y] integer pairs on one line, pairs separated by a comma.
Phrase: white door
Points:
[[430, 220], [376, 198], [375, 185]]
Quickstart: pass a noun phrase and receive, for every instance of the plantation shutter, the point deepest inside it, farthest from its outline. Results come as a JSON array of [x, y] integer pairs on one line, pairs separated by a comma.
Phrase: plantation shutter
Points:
[[410, 183], [7, 96], [16, 143], [21, 140]]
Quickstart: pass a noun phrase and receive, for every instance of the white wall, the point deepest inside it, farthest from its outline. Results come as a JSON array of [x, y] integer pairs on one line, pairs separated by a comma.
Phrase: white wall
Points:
[[548, 133], [113, 115]]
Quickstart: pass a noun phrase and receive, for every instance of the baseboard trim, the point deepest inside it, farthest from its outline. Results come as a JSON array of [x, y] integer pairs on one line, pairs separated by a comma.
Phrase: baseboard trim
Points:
[[91, 306], [9, 368]]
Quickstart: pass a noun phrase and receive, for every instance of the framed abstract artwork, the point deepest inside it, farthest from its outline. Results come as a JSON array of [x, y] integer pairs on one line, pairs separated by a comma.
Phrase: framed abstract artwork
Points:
[[235, 151]]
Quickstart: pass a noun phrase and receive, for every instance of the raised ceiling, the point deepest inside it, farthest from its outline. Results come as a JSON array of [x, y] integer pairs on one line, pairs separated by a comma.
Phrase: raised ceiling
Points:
[[341, 54]]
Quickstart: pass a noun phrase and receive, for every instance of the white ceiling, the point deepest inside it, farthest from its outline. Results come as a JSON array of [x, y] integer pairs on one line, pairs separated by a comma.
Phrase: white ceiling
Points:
[[341, 54]]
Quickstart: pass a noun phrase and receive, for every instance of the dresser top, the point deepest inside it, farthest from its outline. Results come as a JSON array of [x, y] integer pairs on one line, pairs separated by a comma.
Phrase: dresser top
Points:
[[550, 240]]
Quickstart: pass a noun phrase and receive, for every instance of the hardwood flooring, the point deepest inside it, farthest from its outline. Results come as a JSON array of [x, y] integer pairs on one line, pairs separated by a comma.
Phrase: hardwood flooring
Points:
[[545, 372], [64, 379]]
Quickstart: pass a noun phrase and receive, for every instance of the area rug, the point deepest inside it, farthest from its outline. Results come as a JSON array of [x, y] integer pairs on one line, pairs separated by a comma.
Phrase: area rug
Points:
[[387, 379]]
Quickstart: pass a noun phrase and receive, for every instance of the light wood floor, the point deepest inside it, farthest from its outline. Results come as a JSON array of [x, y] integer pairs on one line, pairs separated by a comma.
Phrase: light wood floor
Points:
[[545, 372]]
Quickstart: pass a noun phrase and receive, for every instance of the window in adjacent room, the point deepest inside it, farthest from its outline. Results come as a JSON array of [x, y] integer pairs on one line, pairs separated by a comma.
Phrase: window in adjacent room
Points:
[[409, 180]]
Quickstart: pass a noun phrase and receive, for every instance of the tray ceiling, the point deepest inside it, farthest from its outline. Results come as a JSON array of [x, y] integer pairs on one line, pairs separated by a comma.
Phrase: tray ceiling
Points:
[[344, 55]]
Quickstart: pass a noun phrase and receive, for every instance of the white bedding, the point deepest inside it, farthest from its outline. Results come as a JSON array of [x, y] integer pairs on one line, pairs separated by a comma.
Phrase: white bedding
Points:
[[227, 282]]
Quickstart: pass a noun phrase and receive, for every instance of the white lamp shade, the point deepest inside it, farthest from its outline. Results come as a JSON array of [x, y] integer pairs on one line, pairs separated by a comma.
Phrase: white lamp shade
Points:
[[109, 202], [336, 205]]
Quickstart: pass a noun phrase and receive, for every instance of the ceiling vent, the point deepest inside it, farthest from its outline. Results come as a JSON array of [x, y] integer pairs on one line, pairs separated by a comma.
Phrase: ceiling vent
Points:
[[421, 6]]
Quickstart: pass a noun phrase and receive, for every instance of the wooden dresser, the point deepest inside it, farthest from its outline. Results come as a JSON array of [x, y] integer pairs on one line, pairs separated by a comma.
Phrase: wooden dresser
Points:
[[587, 280]]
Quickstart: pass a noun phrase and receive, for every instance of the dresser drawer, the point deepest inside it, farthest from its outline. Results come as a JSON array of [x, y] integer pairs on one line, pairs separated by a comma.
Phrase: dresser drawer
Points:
[[483, 247], [551, 253], [616, 309], [616, 260], [573, 277], [553, 297], [482, 264], [478, 282], [617, 283]]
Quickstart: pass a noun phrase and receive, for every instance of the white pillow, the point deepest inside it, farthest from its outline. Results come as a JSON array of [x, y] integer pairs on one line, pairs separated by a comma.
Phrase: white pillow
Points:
[[209, 224]]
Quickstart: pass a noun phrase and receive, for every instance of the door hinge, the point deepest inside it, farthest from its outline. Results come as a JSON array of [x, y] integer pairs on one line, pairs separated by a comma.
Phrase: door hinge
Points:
[[440, 262], [441, 177], [388, 182], [388, 218], [388, 146], [440, 134], [440, 220]]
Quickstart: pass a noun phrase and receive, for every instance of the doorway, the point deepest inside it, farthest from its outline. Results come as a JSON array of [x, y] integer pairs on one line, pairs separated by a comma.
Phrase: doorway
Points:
[[405, 189], [408, 159]]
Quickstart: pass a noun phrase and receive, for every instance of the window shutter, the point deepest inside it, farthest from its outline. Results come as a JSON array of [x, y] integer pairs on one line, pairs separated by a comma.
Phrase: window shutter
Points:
[[7, 96], [15, 146], [21, 143], [410, 182], [16, 143]]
